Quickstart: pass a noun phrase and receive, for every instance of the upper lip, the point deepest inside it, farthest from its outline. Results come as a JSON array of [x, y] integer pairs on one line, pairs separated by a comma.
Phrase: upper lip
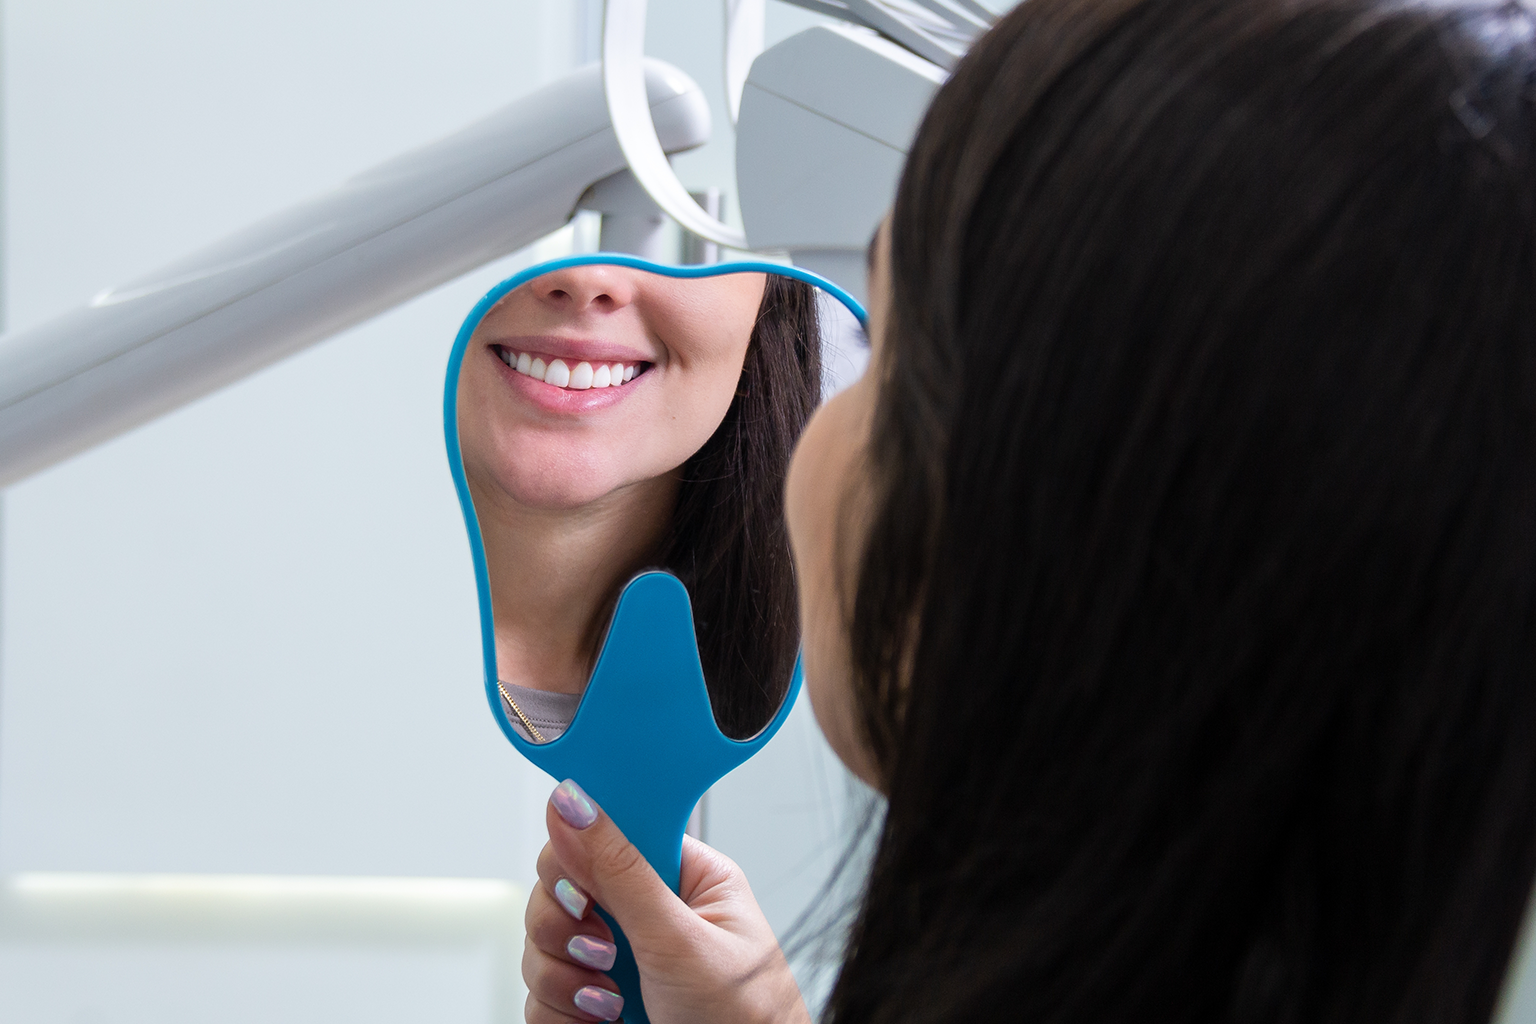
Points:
[[574, 349]]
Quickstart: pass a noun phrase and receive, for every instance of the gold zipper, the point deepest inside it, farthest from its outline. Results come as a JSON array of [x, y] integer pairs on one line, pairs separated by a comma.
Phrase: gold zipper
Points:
[[538, 737]]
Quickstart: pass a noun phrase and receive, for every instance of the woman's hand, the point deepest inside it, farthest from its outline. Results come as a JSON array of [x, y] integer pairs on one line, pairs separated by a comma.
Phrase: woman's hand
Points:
[[706, 955]]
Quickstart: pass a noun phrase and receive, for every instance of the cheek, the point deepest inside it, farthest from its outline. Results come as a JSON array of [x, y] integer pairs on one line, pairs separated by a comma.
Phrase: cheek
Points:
[[689, 405], [479, 426], [508, 453], [690, 394]]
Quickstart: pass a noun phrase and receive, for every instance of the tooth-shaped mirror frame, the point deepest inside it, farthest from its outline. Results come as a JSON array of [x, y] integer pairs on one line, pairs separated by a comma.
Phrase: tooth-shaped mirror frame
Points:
[[644, 743]]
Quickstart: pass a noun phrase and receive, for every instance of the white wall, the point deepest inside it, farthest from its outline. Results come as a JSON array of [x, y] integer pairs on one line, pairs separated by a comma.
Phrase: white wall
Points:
[[242, 638]]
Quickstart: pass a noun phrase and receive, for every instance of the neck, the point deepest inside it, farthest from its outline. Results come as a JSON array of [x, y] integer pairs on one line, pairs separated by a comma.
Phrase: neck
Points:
[[555, 574]]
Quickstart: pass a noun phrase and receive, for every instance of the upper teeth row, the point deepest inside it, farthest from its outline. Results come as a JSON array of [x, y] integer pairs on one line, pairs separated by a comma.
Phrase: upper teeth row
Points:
[[579, 378]]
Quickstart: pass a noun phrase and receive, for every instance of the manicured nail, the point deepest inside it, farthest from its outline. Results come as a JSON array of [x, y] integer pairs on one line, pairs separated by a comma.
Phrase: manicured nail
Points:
[[573, 805], [599, 1002], [590, 951], [571, 898]]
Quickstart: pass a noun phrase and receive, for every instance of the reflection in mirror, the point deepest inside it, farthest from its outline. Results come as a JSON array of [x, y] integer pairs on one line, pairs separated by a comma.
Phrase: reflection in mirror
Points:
[[613, 420]]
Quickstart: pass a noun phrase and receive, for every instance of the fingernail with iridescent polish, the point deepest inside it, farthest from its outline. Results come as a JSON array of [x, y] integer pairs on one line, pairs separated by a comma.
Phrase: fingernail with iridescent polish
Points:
[[573, 805], [571, 898], [590, 951], [599, 1002]]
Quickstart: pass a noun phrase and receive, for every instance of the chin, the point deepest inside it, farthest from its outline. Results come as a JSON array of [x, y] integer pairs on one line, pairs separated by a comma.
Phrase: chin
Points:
[[571, 487], [560, 474], [558, 495]]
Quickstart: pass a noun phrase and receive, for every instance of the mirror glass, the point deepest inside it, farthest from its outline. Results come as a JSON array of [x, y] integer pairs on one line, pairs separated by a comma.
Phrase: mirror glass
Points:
[[614, 419]]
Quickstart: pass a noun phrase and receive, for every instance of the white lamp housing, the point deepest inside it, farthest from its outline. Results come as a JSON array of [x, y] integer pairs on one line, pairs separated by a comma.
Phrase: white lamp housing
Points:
[[158, 342], [826, 118]]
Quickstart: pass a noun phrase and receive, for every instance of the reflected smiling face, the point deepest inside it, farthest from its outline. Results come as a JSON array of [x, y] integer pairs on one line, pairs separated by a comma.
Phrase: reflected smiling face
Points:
[[589, 379]]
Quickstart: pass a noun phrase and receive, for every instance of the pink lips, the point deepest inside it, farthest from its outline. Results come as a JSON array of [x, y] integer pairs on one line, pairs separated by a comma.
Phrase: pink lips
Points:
[[559, 400]]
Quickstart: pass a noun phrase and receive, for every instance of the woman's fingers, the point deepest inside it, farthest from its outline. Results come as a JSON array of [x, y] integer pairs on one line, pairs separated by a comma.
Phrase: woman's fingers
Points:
[[594, 856], [564, 960], [567, 989], [571, 898], [708, 956], [536, 1012], [588, 942], [555, 933]]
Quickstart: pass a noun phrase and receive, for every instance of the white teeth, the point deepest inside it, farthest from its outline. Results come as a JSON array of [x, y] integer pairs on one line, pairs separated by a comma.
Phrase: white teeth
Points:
[[562, 375]]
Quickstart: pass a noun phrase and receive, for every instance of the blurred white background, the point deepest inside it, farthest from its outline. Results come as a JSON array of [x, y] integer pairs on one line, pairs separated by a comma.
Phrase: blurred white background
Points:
[[241, 640]]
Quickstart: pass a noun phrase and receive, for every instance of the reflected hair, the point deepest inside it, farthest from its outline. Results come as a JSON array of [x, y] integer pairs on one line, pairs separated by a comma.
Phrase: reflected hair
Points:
[[728, 542], [1205, 461]]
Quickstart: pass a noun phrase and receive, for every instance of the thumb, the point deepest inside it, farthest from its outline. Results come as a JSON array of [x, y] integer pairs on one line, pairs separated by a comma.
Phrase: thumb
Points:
[[596, 856]]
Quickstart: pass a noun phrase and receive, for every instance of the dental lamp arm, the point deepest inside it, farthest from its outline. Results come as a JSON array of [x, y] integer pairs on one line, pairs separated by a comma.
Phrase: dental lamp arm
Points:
[[151, 345]]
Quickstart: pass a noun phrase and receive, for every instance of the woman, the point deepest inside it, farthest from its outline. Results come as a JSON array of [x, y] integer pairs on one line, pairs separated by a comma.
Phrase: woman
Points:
[[612, 419], [1189, 563]]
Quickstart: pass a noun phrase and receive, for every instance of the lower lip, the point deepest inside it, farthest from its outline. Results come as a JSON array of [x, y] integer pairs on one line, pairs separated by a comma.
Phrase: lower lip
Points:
[[563, 400]]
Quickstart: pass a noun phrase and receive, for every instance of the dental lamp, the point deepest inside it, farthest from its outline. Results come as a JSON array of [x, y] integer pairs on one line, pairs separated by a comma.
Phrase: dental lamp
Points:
[[823, 123], [153, 344]]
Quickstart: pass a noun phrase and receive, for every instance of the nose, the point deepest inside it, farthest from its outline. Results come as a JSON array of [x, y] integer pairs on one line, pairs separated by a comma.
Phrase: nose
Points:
[[577, 290]]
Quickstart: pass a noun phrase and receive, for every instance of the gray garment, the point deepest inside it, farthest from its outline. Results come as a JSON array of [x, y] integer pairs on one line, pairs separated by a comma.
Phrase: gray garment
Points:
[[550, 713]]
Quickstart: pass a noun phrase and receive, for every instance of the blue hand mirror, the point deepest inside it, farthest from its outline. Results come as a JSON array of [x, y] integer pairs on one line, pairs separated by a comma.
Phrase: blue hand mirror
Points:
[[618, 433]]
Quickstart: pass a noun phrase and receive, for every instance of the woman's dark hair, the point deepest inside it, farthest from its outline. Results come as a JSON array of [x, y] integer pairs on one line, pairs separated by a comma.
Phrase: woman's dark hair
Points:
[[728, 542], [1205, 460]]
